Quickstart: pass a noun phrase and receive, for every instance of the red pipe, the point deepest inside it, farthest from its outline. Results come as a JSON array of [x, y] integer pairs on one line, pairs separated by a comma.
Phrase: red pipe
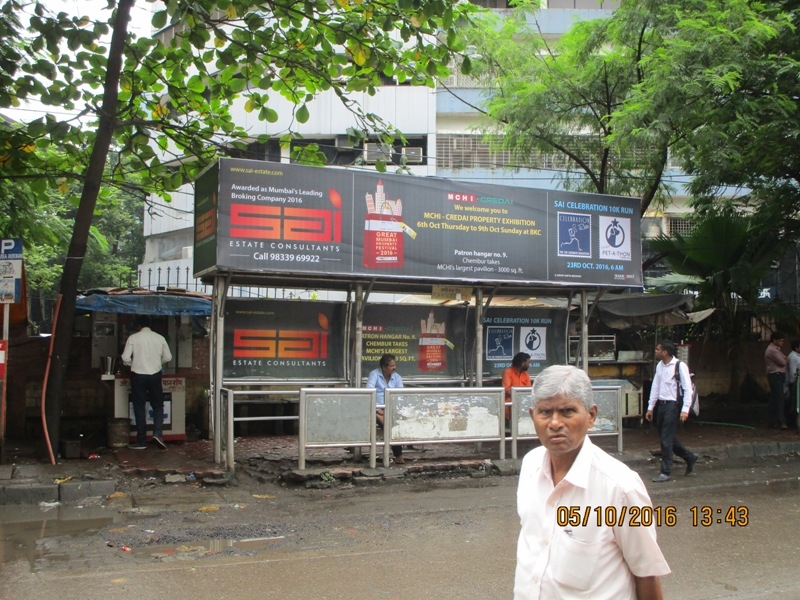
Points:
[[44, 383]]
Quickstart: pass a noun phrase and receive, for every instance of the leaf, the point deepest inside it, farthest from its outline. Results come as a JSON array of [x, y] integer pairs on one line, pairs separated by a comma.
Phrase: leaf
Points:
[[159, 19], [302, 114], [466, 66]]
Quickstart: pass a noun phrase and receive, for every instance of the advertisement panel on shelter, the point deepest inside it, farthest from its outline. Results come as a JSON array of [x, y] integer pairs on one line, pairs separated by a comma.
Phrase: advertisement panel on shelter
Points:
[[283, 339], [540, 332], [286, 218], [428, 341]]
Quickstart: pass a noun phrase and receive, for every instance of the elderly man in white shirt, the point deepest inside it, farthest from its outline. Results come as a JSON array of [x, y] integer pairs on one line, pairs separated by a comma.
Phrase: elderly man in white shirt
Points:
[[587, 523], [146, 351]]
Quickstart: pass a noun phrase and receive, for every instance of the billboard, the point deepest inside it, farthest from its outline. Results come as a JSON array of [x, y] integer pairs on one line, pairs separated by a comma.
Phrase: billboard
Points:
[[428, 341], [541, 332], [275, 218], [283, 340]]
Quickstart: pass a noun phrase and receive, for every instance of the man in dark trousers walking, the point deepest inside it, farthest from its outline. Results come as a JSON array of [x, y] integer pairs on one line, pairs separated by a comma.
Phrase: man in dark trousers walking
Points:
[[146, 351], [670, 398]]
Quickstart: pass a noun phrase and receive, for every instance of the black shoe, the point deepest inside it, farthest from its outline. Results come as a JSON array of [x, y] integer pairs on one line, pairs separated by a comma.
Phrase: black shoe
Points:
[[662, 478], [159, 442], [137, 446], [690, 464]]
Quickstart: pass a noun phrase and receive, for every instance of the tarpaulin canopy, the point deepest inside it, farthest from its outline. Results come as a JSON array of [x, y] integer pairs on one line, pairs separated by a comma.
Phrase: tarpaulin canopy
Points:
[[635, 310], [146, 304]]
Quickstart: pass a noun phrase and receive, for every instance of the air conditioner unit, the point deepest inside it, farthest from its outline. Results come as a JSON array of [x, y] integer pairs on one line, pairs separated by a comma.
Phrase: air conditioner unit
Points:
[[373, 152], [342, 141], [413, 154]]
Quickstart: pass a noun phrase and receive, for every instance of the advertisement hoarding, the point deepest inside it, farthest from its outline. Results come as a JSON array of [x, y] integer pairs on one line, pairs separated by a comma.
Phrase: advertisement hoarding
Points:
[[272, 218]]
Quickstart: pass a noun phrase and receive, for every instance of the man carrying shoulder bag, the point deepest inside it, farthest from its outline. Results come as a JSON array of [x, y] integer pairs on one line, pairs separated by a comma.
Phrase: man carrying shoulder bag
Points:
[[671, 398]]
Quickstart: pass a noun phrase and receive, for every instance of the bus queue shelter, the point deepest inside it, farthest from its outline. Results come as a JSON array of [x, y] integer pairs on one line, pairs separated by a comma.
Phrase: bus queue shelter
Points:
[[274, 224]]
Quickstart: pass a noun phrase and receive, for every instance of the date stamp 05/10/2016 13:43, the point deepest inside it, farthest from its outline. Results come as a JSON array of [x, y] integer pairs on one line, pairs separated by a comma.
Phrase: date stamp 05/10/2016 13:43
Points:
[[645, 516]]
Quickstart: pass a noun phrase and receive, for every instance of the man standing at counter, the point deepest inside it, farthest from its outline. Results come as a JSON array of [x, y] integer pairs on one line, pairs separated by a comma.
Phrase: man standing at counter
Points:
[[145, 352]]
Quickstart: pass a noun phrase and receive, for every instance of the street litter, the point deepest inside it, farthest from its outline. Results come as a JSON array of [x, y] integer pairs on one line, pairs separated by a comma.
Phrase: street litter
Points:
[[208, 508], [264, 496], [48, 505], [93, 456], [63, 479]]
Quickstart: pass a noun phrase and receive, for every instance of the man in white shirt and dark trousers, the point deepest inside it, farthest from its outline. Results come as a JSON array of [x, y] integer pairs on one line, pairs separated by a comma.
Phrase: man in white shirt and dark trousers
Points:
[[146, 351], [664, 400]]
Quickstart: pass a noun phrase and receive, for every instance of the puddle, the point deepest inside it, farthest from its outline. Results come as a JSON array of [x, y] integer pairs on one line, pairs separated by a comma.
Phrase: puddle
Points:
[[24, 529], [201, 548]]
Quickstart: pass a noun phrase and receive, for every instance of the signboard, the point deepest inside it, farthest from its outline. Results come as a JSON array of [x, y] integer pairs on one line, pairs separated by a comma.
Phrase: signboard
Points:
[[284, 339], [274, 218], [428, 341], [541, 332], [10, 271]]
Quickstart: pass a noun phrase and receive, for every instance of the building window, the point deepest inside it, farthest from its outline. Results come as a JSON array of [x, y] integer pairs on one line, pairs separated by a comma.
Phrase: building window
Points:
[[680, 225]]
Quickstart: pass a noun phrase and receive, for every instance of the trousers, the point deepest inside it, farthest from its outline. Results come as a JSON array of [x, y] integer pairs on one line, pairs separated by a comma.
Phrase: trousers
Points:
[[777, 399], [146, 388], [667, 418]]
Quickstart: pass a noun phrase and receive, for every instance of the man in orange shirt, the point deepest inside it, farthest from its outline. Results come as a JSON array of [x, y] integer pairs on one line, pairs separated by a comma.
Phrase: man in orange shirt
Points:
[[516, 376]]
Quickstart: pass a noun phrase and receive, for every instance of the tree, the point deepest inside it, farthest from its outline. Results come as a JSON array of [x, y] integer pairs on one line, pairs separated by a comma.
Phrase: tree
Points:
[[724, 259], [725, 79], [166, 109], [562, 98]]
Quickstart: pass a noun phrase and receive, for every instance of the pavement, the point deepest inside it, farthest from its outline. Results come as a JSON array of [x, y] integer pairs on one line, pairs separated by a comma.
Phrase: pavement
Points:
[[28, 479]]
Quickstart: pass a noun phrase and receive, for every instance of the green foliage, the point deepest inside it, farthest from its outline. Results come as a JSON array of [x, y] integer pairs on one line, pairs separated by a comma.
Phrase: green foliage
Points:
[[724, 258], [176, 97], [561, 98], [724, 76]]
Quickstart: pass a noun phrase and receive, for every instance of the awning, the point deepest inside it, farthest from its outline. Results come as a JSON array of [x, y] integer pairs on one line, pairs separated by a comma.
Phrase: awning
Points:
[[146, 304], [639, 310]]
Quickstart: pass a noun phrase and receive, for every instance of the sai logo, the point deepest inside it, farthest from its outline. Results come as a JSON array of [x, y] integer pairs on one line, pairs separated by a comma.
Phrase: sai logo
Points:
[[282, 343], [285, 223]]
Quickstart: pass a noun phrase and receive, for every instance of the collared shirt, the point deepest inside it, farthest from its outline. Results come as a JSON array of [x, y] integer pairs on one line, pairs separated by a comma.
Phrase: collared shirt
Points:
[[794, 364], [514, 378], [378, 381], [665, 387], [591, 560], [146, 351], [775, 360]]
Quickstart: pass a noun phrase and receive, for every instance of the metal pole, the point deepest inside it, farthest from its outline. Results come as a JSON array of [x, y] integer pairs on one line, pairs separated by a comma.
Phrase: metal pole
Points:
[[479, 337], [229, 458], [585, 331], [218, 326], [359, 337]]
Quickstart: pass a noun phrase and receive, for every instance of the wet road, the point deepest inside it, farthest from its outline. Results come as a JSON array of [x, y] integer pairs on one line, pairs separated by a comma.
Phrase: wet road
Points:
[[448, 539]]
